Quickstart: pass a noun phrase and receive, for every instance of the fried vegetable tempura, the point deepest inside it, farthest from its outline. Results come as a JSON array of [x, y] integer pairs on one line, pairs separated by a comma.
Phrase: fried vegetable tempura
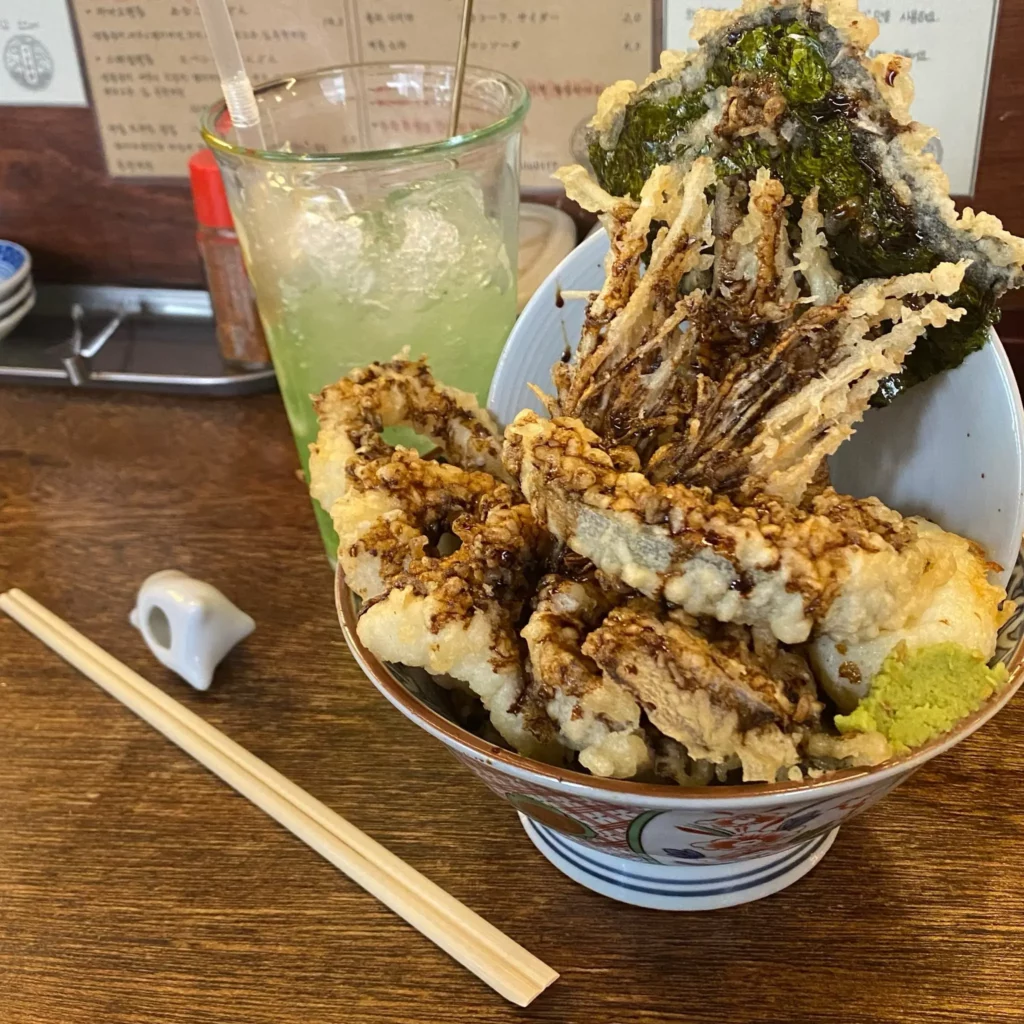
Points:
[[641, 582], [788, 86], [457, 614], [748, 387]]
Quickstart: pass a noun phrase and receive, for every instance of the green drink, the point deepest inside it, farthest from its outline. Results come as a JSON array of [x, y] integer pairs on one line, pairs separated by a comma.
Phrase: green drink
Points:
[[357, 256], [425, 270]]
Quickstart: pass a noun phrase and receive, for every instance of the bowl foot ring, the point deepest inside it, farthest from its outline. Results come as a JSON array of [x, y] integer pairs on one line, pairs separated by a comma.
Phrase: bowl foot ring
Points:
[[677, 886]]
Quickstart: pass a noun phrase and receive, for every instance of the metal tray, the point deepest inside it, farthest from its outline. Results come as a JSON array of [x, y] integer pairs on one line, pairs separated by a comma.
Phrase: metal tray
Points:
[[139, 339]]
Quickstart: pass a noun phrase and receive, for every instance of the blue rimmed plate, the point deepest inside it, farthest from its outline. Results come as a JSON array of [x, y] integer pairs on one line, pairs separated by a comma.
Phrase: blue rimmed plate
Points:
[[15, 267]]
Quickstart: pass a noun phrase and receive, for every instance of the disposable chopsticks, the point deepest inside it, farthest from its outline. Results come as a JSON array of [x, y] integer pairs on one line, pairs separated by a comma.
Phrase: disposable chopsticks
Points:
[[509, 969]]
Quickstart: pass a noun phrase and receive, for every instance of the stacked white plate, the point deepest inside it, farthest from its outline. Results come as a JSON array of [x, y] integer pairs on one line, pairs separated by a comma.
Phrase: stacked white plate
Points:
[[17, 293]]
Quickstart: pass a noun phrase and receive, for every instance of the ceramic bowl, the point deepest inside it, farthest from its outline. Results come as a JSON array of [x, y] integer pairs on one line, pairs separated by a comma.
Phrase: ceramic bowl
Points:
[[10, 304], [666, 847], [11, 319], [15, 267], [950, 449]]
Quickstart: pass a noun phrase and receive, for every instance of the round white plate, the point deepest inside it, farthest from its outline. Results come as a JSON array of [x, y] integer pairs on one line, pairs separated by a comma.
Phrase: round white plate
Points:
[[9, 322], [546, 237], [11, 304]]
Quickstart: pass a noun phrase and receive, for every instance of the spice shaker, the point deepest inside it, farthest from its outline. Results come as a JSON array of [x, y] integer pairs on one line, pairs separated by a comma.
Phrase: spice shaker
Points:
[[239, 331]]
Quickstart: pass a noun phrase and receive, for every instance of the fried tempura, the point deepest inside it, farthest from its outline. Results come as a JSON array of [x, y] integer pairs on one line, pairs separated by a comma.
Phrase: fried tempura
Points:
[[454, 614], [850, 569], [717, 706], [786, 87], [640, 582], [749, 387]]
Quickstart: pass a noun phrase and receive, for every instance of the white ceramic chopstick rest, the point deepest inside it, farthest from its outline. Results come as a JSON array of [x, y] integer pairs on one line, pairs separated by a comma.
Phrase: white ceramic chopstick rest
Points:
[[189, 625]]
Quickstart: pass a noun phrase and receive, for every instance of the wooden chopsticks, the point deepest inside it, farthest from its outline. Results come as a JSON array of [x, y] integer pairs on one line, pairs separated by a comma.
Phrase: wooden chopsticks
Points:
[[491, 955]]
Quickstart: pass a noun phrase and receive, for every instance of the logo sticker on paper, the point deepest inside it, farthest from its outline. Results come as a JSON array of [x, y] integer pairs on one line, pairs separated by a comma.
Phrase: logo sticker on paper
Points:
[[28, 62]]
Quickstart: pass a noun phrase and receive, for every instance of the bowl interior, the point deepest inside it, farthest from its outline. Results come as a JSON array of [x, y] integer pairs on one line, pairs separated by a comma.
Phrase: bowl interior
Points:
[[949, 449]]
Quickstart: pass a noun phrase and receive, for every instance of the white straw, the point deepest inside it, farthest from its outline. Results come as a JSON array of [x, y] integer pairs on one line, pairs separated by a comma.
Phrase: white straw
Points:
[[238, 94]]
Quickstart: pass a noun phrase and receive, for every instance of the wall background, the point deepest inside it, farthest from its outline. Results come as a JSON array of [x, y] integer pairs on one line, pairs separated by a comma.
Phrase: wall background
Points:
[[84, 226]]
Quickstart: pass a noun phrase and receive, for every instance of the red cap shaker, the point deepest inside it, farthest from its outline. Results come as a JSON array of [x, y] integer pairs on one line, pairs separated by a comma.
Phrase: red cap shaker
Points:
[[239, 331], [208, 195]]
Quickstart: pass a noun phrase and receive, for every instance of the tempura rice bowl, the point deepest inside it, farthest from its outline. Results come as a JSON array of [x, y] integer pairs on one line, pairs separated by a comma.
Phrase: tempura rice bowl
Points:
[[950, 449], [663, 846]]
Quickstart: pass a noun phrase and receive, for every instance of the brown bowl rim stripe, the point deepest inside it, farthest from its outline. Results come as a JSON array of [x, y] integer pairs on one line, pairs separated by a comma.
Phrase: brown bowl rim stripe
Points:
[[460, 737]]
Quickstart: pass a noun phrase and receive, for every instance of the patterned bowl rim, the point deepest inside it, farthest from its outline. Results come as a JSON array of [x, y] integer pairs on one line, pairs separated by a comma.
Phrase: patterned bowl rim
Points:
[[21, 262], [519, 765]]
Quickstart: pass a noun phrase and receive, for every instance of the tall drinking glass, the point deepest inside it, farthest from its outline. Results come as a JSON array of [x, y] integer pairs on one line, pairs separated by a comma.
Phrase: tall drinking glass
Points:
[[365, 229]]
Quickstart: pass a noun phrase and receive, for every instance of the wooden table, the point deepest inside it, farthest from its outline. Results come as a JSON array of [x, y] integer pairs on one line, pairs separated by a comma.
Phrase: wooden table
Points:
[[136, 887]]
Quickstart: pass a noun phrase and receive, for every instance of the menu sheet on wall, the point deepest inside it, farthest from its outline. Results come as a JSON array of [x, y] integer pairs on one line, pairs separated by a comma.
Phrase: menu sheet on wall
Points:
[[950, 42], [151, 72], [38, 62]]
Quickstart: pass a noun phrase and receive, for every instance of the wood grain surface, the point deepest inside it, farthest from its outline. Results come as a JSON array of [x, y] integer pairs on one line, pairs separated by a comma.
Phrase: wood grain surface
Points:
[[135, 887]]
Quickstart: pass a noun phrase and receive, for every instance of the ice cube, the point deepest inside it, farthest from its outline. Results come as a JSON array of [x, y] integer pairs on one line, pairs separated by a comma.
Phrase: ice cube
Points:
[[446, 244], [428, 242]]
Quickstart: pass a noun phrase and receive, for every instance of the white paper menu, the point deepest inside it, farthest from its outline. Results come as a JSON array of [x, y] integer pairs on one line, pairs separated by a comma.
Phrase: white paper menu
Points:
[[38, 60], [950, 42], [151, 72]]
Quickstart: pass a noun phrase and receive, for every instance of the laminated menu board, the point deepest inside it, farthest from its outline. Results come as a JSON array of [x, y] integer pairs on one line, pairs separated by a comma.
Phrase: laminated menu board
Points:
[[151, 72], [950, 43]]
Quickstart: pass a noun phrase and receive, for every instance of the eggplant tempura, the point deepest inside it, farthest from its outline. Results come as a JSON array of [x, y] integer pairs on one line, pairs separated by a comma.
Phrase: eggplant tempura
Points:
[[657, 581]]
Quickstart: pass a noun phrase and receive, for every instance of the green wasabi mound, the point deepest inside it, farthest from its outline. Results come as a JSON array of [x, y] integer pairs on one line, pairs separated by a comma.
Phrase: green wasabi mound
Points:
[[920, 694]]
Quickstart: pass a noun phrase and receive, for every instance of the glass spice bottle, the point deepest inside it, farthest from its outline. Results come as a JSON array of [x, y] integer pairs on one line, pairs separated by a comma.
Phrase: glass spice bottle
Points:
[[239, 331]]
